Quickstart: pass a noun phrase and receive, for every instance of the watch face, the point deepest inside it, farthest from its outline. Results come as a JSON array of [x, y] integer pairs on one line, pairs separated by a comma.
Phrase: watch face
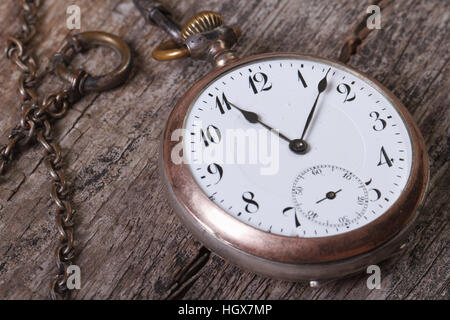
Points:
[[297, 147]]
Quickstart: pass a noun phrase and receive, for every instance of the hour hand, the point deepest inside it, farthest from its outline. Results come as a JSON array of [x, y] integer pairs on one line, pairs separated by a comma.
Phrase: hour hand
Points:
[[248, 115], [254, 118]]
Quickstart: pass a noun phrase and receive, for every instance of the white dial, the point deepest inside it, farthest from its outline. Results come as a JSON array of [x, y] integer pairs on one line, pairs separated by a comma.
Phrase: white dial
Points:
[[352, 131]]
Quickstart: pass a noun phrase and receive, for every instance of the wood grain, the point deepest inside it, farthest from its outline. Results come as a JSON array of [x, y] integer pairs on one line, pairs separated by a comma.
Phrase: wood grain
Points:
[[129, 241]]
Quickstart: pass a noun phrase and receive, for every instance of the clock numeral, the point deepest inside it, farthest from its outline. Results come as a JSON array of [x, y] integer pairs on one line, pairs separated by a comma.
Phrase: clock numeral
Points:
[[297, 190], [297, 222], [215, 169], [380, 124], [252, 206], [344, 88], [344, 220], [377, 192], [287, 209], [312, 214], [361, 200], [259, 78], [316, 171], [220, 104], [301, 79], [212, 135], [387, 160], [347, 176]]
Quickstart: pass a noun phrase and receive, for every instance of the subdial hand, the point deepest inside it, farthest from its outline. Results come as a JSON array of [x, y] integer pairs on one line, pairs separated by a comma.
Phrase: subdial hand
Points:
[[254, 118], [330, 195], [299, 145]]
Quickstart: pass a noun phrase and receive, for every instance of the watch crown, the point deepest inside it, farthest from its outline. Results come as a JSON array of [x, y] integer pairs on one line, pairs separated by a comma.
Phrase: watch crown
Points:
[[201, 22]]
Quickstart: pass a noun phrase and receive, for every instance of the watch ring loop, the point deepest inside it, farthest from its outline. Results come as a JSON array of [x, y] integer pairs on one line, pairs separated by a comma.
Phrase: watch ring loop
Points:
[[84, 41], [170, 50]]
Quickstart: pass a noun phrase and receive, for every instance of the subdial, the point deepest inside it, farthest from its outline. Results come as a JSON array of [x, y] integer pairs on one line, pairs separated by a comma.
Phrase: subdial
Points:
[[330, 196]]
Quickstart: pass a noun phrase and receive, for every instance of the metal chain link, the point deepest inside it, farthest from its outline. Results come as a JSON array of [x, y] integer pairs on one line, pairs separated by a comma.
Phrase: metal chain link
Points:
[[15, 51], [35, 125]]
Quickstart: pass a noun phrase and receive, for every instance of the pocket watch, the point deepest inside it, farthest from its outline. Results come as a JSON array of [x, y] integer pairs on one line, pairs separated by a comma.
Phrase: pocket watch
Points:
[[347, 169]]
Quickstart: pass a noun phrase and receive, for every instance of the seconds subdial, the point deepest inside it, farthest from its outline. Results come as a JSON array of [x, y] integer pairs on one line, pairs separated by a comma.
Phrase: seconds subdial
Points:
[[330, 196]]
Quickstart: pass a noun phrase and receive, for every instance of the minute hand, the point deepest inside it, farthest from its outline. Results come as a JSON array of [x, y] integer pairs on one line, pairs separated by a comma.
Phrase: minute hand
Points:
[[321, 87]]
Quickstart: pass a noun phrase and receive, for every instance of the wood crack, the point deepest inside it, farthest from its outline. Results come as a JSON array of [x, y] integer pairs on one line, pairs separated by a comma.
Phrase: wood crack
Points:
[[186, 278]]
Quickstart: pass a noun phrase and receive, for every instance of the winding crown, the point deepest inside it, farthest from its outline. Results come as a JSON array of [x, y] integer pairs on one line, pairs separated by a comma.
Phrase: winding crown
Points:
[[201, 22]]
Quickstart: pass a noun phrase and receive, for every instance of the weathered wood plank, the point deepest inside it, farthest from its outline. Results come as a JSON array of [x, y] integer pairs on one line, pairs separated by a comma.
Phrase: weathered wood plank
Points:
[[131, 244]]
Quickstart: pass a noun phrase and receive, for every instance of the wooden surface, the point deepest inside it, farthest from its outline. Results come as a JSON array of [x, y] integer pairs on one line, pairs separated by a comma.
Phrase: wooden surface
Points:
[[130, 243]]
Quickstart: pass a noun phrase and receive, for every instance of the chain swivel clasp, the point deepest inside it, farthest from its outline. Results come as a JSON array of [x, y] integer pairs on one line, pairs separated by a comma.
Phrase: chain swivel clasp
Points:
[[80, 80], [203, 37]]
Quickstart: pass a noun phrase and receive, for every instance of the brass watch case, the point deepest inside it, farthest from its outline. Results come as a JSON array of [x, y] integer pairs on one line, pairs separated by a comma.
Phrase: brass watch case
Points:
[[287, 257]]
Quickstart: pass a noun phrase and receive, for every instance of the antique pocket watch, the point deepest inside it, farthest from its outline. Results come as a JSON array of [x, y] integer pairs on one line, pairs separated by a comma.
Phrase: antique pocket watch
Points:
[[349, 165]]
